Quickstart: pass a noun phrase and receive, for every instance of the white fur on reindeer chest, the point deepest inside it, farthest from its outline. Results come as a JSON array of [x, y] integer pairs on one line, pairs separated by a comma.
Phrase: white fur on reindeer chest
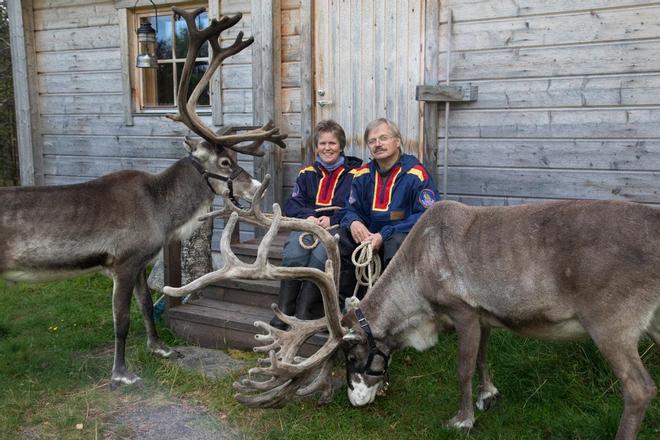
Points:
[[184, 231]]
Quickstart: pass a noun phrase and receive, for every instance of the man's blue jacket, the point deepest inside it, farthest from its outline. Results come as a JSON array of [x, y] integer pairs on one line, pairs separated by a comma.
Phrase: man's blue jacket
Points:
[[393, 203]]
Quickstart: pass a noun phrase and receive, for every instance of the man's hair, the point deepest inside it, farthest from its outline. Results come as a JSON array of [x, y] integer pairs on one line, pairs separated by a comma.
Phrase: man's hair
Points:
[[376, 122], [330, 126]]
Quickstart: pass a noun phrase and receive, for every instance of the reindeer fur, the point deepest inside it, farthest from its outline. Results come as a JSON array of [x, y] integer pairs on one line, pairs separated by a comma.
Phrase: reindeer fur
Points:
[[558, 271]]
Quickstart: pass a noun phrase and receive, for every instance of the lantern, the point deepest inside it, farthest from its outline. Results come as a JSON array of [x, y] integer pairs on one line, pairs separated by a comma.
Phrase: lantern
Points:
[[146, 58]]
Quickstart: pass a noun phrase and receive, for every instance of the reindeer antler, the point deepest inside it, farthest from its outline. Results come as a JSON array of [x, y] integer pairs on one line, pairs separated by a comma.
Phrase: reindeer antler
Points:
[[286, 374], [187, 113]]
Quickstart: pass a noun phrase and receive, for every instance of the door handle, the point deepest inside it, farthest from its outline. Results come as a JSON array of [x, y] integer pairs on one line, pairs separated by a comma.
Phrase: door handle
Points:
[[323, 102]]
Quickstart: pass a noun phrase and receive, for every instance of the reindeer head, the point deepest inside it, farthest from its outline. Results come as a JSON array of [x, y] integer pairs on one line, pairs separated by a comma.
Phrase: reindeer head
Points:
[[366, 357], [215, 155]]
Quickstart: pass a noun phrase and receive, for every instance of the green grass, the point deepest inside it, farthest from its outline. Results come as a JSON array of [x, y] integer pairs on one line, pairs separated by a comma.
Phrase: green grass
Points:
[[56, 355]]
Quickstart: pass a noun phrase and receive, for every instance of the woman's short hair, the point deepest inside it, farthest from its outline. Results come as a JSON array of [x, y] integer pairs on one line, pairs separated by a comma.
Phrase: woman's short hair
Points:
[[376, 122], [330, 126]]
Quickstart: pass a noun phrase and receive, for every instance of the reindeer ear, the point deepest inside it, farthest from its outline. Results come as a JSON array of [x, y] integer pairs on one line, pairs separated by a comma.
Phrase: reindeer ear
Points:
[[352, 303], [189, 144]]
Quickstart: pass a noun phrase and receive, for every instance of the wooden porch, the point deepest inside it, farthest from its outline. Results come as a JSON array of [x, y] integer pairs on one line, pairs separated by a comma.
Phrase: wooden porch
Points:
[[222, 315]]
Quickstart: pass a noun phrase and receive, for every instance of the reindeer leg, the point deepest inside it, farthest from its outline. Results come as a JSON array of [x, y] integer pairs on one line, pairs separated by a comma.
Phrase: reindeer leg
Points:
[[146, 305], [469, 334], [488, 393], [124, 281], [621, 353]]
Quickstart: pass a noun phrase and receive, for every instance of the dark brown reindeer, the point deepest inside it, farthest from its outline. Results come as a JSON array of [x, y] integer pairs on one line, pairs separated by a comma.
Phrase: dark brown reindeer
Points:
[[557, 271], [118, 223]]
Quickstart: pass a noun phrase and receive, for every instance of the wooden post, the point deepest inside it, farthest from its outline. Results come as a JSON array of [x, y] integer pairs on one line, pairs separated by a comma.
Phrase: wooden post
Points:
[[306, 81], [431, 76], [172, 272], [24, 73]]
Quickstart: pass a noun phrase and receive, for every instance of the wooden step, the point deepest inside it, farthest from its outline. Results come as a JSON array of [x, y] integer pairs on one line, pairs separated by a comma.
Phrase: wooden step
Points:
[[259, 293], [220, 324]]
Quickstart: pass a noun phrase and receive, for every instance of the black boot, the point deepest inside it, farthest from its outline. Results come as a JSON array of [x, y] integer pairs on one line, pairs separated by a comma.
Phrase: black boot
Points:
[[289, 290], [310, 303]]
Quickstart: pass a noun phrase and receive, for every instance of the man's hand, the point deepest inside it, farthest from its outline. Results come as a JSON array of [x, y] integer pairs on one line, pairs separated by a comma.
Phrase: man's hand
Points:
[[359, 232], [376, 241]]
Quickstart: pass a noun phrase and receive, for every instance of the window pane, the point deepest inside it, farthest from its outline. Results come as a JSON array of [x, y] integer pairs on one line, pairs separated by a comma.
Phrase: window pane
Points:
[[165, 84], [198, 71], [163, 36], [182, 36]]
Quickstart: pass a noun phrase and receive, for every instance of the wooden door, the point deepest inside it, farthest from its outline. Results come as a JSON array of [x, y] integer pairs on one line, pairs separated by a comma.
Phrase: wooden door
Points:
[[368, 58]]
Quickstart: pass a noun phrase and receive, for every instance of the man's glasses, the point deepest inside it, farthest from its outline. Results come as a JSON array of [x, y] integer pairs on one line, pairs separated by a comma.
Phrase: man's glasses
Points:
[[382, 139]]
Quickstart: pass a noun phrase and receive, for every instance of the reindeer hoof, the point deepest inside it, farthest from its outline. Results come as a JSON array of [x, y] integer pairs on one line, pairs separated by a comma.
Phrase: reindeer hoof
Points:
[[464, 424], [125, 378], [487, 400], [165, 352]]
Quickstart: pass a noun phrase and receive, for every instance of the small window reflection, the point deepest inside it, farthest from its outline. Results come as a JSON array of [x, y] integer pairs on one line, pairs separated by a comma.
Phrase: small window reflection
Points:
[[196, 75]]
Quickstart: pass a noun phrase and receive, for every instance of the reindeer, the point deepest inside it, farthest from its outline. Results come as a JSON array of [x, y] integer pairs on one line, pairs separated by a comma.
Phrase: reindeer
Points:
[[119, 222], [557, 271]]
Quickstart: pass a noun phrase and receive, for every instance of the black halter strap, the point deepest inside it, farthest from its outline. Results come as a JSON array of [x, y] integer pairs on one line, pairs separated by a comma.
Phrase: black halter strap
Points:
[[373, 351], [236, 171]]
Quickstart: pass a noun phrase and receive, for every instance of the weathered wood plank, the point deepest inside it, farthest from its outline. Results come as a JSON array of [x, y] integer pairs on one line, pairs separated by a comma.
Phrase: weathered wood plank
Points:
[[290, 45], [121, 146], [604, 154], [291, 100], [46, 4], [79, 16], [465, 10], [25, 95], [546, 62], [81, 166], [587, 91], [88, 82], [108, 103], [237, 100], [635, 186], [236, 76], [592, 26], [444, 93], [291, 74], [291, 4], [145, 125], [79, 60], [291, 22], [97, 37], [569, 123]]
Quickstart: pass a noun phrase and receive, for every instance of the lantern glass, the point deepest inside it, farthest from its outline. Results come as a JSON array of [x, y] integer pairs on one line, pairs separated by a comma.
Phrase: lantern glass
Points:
[[146, 46]]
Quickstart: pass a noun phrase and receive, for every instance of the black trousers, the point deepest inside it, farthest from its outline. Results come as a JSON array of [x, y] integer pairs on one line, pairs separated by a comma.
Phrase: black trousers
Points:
[[347, 245]]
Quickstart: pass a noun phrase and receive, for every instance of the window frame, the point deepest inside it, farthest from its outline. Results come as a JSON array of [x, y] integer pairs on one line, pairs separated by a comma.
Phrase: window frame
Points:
[[138, 76]]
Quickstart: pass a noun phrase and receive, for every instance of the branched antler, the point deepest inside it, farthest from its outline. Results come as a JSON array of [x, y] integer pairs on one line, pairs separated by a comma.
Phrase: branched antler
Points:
[[187, 113], [283, 374]]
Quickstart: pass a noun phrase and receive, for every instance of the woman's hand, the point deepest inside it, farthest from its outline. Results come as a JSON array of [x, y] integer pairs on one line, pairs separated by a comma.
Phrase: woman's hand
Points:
[[324, 221]]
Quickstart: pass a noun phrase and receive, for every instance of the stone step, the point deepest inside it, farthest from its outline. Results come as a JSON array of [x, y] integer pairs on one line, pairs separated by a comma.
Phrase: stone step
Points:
[[218, 324]]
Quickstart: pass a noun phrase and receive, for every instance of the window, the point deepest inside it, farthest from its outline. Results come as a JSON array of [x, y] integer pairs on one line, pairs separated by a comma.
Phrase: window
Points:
[[156, 89]]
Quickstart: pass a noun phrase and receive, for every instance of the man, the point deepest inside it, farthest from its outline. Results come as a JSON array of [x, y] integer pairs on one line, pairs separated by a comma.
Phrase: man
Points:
[[388, 195]]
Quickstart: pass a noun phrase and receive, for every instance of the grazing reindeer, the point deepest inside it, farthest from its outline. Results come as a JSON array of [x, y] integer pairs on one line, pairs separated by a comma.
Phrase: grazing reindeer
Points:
[[557, 271], [118, 223]]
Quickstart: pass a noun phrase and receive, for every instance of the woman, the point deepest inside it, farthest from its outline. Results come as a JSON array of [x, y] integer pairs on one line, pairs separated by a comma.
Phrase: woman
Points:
[[319, 196]]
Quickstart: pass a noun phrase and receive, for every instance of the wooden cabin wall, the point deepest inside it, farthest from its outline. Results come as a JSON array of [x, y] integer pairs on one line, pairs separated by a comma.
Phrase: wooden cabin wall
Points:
[[81, 112], [290, 91], [82, 127], [568, 105]]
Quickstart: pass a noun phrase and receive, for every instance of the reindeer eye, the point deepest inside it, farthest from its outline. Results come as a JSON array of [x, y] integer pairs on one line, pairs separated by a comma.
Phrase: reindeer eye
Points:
[[225, 163]]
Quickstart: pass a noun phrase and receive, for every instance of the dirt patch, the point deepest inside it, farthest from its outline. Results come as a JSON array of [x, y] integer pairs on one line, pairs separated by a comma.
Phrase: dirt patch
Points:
[[167, 420], [145, 412]]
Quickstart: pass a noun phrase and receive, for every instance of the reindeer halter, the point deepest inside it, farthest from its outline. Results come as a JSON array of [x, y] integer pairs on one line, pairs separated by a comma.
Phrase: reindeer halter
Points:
[[236, 171]]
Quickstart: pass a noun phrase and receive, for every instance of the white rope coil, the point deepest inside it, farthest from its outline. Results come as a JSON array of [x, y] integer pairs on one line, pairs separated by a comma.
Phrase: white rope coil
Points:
[[315, 243], [367, 266]]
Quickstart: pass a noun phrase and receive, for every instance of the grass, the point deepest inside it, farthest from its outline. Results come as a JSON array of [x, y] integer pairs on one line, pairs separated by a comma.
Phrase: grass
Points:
[[56, 355]]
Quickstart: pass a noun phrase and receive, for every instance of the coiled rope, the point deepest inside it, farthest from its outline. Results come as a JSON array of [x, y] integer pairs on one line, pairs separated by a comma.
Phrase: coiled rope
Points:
[[367, 266]]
